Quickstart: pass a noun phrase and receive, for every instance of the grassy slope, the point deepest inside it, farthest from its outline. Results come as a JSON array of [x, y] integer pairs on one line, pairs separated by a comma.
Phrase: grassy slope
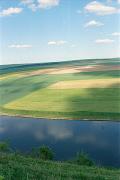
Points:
[[70, 103], [23, 168], [30, 95]]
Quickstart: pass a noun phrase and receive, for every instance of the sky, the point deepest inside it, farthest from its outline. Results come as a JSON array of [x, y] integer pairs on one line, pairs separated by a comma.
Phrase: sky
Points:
[[37, 31]]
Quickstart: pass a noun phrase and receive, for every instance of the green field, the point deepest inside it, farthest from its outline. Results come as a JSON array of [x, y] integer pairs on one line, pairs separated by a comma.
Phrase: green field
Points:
[[25, 90], [17, 167]]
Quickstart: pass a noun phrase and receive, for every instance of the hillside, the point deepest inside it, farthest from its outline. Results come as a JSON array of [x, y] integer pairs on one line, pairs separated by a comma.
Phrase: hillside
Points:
[[80, 89]]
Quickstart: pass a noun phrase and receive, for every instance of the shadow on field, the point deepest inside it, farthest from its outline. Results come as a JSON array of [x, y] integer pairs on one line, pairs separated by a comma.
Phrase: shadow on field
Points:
[[11, 90], [99, 103], [111, 73]]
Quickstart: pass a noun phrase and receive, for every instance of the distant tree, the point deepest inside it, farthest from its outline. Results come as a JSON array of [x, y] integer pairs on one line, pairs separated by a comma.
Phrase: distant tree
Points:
[[45, 153]]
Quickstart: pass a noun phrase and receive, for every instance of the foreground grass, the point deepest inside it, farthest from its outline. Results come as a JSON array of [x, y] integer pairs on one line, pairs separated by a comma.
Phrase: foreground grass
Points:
[[17, 167]]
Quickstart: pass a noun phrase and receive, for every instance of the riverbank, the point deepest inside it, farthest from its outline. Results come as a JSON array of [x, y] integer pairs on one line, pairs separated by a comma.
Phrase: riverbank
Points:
[[52, 115], [37, 117], [26, 168]]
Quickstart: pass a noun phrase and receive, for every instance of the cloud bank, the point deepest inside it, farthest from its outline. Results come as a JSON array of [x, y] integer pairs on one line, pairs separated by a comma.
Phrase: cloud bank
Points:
[[100, 9], [40, 4], [10, 11], [104, 41], [20, 46]]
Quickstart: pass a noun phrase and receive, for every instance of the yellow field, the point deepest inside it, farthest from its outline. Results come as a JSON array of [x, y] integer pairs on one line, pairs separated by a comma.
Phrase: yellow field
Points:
[[93, 83], [72, 69], [60, 70], [16, 75]]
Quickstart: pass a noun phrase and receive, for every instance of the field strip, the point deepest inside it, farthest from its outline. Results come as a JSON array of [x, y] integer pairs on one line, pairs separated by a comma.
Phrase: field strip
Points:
[[61, 70], [67, 70], [73, 69], [12, 75], [95, 83]]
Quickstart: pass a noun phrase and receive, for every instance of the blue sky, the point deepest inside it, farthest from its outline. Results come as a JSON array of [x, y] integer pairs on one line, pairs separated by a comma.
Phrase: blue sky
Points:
[[55, 30]]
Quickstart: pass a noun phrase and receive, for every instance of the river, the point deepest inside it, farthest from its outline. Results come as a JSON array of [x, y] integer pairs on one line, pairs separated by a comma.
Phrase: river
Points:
[[100, 139]]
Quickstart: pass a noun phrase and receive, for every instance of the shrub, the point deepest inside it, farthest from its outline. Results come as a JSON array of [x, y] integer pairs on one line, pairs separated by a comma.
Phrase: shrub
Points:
[[45, 153], [1, 178], [83, 159], [4, 147]]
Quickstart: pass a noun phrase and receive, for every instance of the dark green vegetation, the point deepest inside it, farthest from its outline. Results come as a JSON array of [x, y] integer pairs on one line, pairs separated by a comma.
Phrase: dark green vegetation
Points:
[[4, 147], [14, 166], [43, 153], [28, 94]]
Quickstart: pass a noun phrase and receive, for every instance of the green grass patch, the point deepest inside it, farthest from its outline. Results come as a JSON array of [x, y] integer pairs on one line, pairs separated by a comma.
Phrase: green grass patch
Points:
[[18, 167], [70, 103]]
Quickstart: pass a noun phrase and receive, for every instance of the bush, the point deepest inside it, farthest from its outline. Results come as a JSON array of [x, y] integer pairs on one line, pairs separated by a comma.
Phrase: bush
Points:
[[1, 178], [4, 147], [45, 153], [83, 159]]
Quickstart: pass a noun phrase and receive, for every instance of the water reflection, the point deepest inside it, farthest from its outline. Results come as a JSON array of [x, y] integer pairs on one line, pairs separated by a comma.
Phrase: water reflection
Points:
[[99, 139]]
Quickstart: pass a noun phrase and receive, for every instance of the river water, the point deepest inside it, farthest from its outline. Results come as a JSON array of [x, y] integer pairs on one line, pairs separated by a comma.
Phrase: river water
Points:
[[100, 139]]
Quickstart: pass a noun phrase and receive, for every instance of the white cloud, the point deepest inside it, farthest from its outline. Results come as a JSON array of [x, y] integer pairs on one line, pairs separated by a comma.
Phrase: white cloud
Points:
[[57, 43], [30, 4], [116, 34], [52, 43], [93, 23], [100, 9], [33, 7], [48, 3], [20, 46], [40, 4], [104, 41], [27, 1], [10, 11], [109, 1]]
